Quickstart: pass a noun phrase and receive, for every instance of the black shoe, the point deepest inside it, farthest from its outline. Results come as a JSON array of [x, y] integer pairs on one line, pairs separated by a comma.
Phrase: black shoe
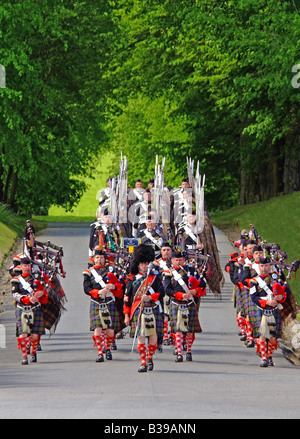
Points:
[[150, 365], [264, 363], [33, 358], [251, 344], [24, 361], [142, 368], [100, 359], [113, 347], [270, 361], [243, 337], [189, 356], [179, 359], [108, 355]]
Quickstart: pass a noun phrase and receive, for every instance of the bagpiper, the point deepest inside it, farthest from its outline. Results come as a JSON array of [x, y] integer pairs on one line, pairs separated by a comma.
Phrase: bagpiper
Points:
[[151, 233], [143, 304], [104, 288], [29, 294], [184, 292], [245, 275], [104, 234], [187, 235], [268, 295], [163, 264]]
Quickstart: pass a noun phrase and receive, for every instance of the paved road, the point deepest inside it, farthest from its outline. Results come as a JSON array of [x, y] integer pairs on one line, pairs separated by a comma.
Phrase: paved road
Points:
[[223, 381]]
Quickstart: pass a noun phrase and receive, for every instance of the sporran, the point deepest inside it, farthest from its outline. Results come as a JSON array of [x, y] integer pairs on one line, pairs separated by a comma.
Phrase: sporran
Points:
[[182, 318], [148, 323]]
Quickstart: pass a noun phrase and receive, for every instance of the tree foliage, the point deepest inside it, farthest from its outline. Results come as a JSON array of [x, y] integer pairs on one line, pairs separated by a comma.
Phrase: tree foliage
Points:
[[220, 72], [200, 78], [51, 111]]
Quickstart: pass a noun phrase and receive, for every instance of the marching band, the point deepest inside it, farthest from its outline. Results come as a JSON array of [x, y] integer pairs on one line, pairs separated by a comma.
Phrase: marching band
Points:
[[152, 255]]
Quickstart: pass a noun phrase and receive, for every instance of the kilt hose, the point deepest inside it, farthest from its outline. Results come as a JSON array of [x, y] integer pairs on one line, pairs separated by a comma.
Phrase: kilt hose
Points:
[[159, 320], [38, 326], [95, 320], [257, 316], [193, 321]]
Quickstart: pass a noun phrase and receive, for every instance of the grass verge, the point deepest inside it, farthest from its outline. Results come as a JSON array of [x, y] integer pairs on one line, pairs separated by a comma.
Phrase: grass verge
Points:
[[12, 227], [86, 208], [277, 221]]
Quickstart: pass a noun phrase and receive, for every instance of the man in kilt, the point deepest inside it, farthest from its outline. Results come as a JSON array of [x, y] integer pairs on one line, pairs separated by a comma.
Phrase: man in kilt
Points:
[[143, 304], [246, 273], [232, 268], [151, 233], [268, 295], [184, 292], [29, 294], [163, 264], [104, 288], [238, 263]]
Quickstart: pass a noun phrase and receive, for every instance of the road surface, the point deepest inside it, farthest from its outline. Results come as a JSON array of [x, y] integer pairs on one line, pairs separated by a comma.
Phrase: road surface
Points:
[[224, 380]]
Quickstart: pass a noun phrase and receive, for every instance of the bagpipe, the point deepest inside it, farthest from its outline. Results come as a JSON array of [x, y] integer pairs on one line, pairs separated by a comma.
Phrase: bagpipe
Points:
[[282, 272], [171, 209], [278, 257], [118, 205], [47, 266]]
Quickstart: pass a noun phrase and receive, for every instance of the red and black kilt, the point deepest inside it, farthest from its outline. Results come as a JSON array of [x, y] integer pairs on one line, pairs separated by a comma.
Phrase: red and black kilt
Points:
[[51, 311], [158, 320], [250, 308], [95, 320], [257, 321], [289, 307], [193, 322], [38, 326], [239, 297]]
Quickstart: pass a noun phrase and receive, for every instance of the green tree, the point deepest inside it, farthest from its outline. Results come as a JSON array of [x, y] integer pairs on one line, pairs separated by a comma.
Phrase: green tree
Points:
[[52, 109], [222, 71], [172, 66]]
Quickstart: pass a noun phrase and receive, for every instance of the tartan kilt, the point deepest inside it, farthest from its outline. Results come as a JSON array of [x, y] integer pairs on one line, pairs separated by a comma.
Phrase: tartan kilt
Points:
[[95, 321], [193, 323], [289, 306], [38, 326], [51, 311], [158, 319], [250, 308], [239, 297], [257, 321]]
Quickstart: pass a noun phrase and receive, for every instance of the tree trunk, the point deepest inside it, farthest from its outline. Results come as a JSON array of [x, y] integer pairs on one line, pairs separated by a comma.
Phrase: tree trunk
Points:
[[291, 176], [1, 180], [11, 201], [7, 185]]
